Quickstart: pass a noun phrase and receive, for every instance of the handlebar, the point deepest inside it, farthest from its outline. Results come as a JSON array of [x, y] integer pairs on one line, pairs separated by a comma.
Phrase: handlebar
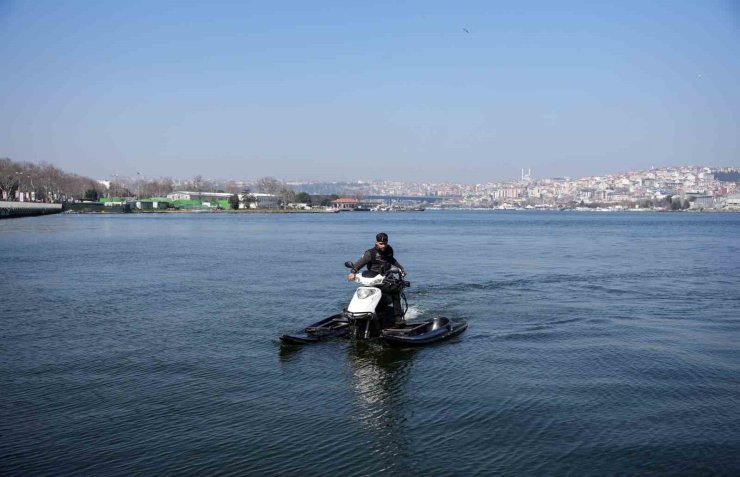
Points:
[[388, 275], [389, 278]]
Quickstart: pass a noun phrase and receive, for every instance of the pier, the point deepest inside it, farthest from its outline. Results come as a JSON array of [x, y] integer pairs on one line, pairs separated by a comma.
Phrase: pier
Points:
[[27, 209]]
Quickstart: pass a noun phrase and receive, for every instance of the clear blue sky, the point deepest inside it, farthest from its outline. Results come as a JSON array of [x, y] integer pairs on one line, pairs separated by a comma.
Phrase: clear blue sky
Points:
[[378, 90]]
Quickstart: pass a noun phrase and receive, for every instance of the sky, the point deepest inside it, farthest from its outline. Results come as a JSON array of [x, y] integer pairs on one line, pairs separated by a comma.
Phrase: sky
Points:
[[457, 91]]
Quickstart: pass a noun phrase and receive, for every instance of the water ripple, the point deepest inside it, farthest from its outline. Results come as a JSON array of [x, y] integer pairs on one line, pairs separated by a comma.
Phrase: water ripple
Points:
[[596, 347]]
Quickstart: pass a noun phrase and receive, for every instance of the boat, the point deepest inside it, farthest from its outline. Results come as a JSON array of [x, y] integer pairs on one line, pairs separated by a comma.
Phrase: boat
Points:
[[335, 326], [423, 332]]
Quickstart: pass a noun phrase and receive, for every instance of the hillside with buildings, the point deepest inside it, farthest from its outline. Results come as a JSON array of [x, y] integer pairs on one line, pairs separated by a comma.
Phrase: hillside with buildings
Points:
[[667, 187], [672, 188]]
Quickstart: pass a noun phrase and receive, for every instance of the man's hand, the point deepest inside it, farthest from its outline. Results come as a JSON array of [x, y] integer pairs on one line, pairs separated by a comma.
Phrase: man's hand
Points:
[[350, 277], [403, 273]]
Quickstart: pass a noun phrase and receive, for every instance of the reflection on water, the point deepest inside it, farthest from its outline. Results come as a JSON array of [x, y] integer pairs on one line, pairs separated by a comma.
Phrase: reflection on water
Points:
[[379, 379], [379, 401]]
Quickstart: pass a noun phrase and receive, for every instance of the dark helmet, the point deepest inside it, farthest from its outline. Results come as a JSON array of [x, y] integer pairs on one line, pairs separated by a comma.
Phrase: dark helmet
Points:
[[381, 238]]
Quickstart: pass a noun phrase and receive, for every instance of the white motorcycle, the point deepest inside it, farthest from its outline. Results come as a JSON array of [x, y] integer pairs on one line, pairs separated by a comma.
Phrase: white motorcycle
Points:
[[370, 310], [370, 315]]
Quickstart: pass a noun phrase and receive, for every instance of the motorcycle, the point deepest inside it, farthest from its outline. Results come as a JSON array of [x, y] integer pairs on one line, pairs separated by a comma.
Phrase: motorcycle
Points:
[[370, 310], [370, 314]]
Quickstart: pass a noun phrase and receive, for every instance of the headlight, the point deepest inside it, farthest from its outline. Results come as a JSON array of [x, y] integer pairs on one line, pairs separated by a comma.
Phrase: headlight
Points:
[[363, 293]]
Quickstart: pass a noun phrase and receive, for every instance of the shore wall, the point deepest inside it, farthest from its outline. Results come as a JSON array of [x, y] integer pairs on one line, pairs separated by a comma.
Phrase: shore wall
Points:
[[94, 207], [27, 209]]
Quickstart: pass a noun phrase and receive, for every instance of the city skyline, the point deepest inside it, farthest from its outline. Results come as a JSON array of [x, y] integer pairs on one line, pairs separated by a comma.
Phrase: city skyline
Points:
[[521, 173], [411, 91], [524, 173], [666, 188]]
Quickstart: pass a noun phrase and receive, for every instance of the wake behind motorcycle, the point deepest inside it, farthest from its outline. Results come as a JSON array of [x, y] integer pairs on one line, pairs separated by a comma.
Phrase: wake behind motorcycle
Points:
[[370, 314]]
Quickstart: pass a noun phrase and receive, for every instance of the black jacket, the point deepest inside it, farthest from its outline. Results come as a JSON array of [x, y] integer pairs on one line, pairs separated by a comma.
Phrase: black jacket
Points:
[[377, 261]]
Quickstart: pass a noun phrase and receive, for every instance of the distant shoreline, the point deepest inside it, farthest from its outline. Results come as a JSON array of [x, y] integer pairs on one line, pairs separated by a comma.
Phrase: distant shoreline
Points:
[[320, 212], [200, 211]]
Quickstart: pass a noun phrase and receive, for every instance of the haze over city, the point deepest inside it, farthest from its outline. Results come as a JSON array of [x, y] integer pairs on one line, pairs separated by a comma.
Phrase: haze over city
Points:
[[460, 91]]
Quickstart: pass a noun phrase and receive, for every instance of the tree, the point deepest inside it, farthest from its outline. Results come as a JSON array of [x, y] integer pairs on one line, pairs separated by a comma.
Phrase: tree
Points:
[[287, 196], [269, 185], [198, 183], [8, 186], [232, 187], [247, 198], [91, 195], [667, 202], [8, 179], [234, 202], [303, 198], [156, 188], [324, 200], [46, 182]]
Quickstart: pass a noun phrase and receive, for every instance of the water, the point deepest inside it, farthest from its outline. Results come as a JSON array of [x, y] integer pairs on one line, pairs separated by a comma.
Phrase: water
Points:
[[598, 344]]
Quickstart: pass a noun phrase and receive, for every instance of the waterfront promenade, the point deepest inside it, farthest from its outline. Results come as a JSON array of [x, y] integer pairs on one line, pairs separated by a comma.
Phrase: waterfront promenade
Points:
[[27, 209]]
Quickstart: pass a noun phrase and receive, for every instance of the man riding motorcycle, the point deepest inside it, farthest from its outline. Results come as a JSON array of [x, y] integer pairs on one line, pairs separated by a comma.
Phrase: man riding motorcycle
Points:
[[379, 260]]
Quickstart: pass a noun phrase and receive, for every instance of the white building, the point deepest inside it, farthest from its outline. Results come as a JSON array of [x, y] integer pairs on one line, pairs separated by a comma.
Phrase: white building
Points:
[[733, 201], [207, 196], [702, 202], [262, 201]]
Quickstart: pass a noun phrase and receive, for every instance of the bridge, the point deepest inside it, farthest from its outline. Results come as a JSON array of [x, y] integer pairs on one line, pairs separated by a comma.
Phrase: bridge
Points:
[[417, 198]]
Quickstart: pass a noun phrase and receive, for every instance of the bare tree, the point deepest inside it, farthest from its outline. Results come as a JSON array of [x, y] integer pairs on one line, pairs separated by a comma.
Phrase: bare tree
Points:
[[287, 196], [269, 185], [233, 187], [156, 188], [8, 179], [43, 182], [198, 183]]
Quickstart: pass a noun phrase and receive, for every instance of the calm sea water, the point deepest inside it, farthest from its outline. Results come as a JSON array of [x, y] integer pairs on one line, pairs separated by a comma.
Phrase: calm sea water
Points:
[[599, 344]]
